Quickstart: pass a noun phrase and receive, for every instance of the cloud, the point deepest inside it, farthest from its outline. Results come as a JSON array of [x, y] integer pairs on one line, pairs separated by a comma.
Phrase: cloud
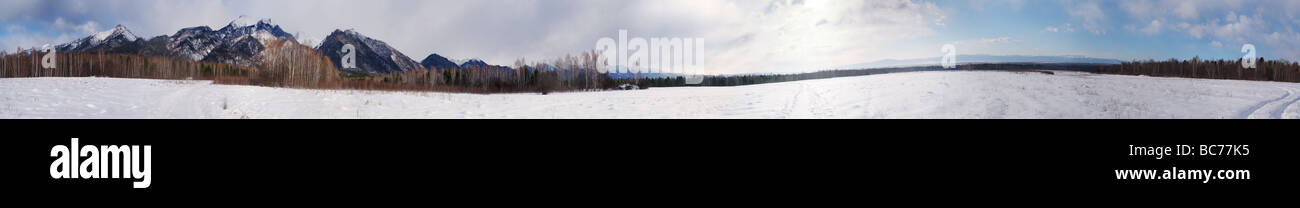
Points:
[[1145, 10], [1052, 29], [88, 27], [1139, 9], [1088, 12], [1187, 10], [1153, 28], [786, 36], [1270, 24], [1286, 45], [14, 10]]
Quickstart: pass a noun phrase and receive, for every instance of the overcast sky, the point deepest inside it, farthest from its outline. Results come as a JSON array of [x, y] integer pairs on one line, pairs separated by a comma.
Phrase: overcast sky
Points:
[[742, 36]]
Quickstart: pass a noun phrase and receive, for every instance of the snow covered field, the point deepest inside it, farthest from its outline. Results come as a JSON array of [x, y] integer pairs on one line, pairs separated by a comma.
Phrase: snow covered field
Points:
[[955, 94]]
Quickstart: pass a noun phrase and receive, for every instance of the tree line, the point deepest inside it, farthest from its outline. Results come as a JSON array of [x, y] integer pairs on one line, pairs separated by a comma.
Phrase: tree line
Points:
[[753, 79], [27, 63], [567, 73], [1265, 70]]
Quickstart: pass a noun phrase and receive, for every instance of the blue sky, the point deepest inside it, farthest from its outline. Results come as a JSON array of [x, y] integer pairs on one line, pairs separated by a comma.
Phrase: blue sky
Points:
[[743, 36], [1134, 29]]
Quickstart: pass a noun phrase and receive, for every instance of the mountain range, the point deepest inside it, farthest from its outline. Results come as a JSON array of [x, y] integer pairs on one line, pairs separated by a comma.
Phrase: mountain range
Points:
[[241, 43], [238, 43], [435, 60], [372, 56]]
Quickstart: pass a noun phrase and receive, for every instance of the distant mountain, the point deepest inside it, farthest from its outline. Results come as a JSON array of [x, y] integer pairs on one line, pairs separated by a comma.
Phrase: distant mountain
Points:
[[473, 63], [969, 59], [372, 56], [116, 40], [237, 43], [435, 60], [194, 43], [242, 41]]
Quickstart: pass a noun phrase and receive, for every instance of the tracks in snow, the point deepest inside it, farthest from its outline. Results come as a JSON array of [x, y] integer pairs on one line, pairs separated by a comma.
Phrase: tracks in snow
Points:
[[808, 102], [1275, 108]]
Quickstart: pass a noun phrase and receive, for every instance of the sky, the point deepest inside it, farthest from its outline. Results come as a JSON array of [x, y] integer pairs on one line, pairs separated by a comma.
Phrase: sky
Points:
[[740, 36]]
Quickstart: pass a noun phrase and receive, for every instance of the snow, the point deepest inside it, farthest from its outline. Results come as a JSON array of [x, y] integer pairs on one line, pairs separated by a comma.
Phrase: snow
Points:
[[244, 21], [942, 94], [263, 36], [119, 30]]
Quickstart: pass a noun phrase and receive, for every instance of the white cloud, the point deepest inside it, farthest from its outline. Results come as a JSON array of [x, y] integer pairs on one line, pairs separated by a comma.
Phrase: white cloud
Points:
[[88, 27], [1187, 9], [1145, 10], [1088, 12], [1153, 28], [1287, 44], [1269, 24], [1235, 28], [1139, 9]]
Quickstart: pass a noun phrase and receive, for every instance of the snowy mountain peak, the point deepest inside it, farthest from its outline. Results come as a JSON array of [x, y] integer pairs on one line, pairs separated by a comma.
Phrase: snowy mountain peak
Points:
[[235, 43], [262, 29], [244, 21], [114, 40], [372, 56], [353, 32], [241, 21], [119, 30]]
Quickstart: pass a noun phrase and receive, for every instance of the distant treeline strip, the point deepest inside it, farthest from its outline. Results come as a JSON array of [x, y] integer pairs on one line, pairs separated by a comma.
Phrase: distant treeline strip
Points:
[[113, 65], [738, 80], [1265, 70]]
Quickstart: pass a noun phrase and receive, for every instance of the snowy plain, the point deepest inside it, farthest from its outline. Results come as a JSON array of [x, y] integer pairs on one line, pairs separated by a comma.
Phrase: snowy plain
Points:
[[941, 94]]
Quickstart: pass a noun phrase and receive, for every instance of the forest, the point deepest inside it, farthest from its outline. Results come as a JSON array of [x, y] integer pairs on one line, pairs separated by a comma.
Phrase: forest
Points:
[[1265, 70]]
